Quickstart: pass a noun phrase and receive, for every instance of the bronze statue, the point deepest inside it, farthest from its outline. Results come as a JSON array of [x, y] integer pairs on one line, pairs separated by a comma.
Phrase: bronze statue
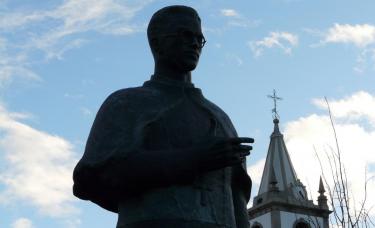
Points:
[[161, 155]]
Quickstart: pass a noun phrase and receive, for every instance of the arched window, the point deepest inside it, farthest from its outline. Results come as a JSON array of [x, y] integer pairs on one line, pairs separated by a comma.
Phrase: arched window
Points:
[[301, 223], [257, 225]]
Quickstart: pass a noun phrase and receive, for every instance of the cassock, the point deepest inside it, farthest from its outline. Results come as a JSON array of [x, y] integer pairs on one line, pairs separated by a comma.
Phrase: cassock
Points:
[[132, 165]]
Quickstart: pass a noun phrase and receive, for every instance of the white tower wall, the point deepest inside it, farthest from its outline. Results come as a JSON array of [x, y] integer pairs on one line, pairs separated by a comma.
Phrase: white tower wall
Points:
[[264, 220], [289, 219]]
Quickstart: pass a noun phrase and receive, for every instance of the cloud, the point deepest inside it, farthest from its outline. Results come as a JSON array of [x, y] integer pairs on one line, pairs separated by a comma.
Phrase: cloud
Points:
[[22, 223], [78, 16], [38, 167], [233, 19], [360, 105], [365, 60], [255, 171], [283, 40], [362, 36], [359, 35], [19, 19], [233, 58], [354, 123], [13, 65], [75, 16], [85, 111], [229, 13], [26, 32]]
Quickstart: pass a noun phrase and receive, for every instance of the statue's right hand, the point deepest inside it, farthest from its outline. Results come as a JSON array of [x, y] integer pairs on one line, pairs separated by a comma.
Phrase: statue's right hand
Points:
[[217, 153]]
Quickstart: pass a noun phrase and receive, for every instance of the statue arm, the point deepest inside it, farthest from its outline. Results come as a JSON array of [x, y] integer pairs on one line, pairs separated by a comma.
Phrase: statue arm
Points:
[[241, 187], [110, 140], [146, 169], [115, 162]]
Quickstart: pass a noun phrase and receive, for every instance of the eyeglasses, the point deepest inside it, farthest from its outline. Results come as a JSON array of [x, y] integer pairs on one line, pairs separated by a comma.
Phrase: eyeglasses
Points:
[[189, 36]]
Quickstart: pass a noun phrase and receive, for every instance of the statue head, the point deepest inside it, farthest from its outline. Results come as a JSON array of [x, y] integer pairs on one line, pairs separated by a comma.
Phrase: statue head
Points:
[[175, 37]]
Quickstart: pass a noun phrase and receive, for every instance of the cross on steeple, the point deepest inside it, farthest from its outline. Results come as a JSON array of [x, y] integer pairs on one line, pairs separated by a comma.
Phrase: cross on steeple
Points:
[[275, 98]]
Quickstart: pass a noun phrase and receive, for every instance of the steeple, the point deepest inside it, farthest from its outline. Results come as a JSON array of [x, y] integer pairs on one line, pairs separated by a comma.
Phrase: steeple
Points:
[[322, 199], [279, 167], [282, 199]]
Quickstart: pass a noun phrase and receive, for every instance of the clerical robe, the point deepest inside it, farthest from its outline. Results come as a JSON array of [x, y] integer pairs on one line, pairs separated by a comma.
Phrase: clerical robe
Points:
[[161, 115]]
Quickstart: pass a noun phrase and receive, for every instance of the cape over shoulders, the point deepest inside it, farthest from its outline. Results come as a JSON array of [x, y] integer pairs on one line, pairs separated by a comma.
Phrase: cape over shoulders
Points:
[[145, 97], [133, 94]]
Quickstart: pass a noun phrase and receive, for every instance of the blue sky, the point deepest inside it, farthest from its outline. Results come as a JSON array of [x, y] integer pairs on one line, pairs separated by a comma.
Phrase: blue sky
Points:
[[60, 59]]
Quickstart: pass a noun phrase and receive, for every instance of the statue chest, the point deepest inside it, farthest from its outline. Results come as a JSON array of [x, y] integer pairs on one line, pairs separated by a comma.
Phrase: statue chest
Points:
[[209, 198], [181, 126]]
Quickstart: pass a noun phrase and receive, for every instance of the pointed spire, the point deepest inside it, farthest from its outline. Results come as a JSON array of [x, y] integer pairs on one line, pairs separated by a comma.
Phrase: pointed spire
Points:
[[278, 168], [322, 199], [273, 181], [279, 174], [276, 130], [321, 187]]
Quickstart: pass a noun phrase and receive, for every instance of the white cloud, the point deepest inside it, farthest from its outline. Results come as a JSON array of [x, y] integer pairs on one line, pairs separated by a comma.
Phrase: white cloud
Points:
[[79, 16], [38, 168], [22, 223], [255, 171], [229, 13], [233, 58], [85, 111], [75, 16], [365, 60], [14, 65], [19, 19], [57, 30], [283, 40], [360, 105], [57, 53], [9, 72], [72, 223], [234, 19], [359, 35], [356, 135]]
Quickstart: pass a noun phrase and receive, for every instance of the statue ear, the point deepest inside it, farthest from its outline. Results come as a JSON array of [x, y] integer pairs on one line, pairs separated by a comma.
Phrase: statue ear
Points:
[[155, 45]]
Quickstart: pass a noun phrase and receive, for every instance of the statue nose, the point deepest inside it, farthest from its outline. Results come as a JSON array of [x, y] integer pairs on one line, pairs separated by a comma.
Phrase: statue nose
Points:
[[194, 42]]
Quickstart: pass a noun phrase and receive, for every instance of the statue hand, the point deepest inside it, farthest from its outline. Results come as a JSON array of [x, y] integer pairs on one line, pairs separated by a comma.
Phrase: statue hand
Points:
[[218, 153]]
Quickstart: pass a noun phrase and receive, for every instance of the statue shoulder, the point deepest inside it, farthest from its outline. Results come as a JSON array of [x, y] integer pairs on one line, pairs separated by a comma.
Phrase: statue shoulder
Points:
[[216, 108], [221, 115], [130, 97]]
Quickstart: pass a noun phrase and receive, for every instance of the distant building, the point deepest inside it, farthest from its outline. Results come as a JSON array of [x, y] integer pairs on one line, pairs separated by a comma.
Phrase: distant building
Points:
[[282, 200]]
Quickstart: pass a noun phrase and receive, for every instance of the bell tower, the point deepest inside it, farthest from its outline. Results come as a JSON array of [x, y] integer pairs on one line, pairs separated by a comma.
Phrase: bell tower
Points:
[[282, 200]]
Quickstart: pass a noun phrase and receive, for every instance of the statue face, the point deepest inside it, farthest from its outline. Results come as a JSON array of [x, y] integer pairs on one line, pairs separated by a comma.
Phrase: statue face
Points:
[[180, 46]]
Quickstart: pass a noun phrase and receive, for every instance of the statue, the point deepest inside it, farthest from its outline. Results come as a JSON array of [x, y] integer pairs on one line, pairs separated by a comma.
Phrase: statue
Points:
[[161, 155]]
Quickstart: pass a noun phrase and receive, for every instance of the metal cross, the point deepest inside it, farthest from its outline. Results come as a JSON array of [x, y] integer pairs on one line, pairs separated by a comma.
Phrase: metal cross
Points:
[[275, 98]]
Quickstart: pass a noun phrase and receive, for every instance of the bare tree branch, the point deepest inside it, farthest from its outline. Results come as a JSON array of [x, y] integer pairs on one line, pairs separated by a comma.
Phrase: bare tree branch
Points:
[[346, 211]]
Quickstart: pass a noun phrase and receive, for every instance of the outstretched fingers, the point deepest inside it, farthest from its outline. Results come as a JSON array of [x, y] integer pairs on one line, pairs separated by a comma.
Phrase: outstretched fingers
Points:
[[227, 152], [239, 140]]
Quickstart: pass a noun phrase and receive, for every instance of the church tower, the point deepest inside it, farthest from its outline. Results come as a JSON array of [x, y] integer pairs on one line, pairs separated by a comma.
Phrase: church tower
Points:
[[282, 200]]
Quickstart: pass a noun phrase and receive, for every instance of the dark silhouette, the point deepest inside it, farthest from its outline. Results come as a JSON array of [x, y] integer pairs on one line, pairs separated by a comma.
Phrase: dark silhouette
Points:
[[161, 155]]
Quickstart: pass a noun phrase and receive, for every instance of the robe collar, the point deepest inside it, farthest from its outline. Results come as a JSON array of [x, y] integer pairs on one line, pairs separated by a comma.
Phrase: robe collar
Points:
[[172, 86]]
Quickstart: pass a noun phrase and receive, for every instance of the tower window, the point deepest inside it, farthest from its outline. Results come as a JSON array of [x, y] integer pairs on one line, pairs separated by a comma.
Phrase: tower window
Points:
[[257, 225], [301, 223]]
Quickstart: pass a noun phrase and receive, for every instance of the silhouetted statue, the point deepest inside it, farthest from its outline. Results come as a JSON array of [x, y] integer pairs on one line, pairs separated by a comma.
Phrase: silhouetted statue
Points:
[[161, 155]]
